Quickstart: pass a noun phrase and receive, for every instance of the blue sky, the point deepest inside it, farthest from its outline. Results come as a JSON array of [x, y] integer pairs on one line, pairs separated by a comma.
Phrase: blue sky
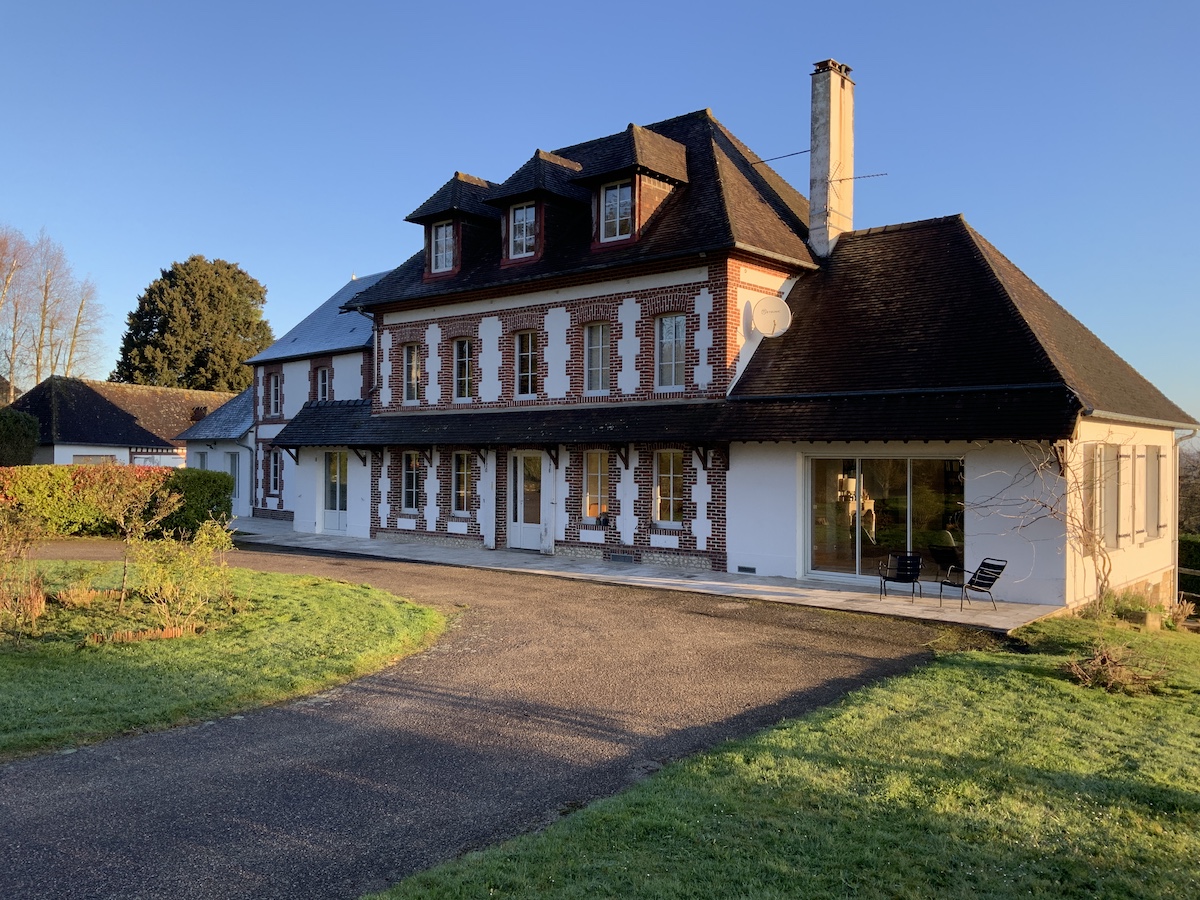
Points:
[[293, 138]]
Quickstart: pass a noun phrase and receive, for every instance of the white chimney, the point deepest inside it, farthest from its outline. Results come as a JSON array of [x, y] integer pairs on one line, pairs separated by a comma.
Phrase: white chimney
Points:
[[831, 172]]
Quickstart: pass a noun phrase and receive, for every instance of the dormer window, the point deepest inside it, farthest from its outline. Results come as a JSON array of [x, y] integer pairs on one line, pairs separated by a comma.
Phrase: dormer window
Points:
[[522, 230], [441, 241], [616, 211]]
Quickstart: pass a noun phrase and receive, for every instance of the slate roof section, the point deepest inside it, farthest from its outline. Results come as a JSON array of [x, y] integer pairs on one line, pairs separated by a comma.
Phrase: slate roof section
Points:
[[326, 329], [544, 174], [464, 194], [730, 201], [637, 149], [227, 423], [75, 411], [928, 314]]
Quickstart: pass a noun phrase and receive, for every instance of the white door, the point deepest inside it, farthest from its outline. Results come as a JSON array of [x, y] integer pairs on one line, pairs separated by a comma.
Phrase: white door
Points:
[[336, 469], [525, 523]]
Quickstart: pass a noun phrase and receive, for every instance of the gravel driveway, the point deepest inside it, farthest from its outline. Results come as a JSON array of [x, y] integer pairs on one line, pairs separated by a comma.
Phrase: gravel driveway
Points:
[[543, 695]]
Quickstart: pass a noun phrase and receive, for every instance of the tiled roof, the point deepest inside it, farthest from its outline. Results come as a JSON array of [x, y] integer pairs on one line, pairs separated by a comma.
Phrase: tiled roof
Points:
[[636, 149], [327, 329], [461, 194], [227, 423], [730, 201], [928, 314], [74, 411]]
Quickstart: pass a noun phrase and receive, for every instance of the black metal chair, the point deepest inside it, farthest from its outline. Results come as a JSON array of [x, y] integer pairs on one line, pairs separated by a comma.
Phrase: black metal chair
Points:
[[945, 558], [981, 580], [901, 568]]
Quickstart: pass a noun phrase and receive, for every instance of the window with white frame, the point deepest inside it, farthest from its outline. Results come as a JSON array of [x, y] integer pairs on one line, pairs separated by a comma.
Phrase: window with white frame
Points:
[[1152, 507], [274, 394], [275, 473], [616, 211], [442, 240], [671, 346], [202, 459], [232, 466], [668, 487], [410, 480], [461, 482], [1102, 495], [463, 375], [522, 230], [322, 376], [595, 484], [527, 363], [595, 358], [412, 373]]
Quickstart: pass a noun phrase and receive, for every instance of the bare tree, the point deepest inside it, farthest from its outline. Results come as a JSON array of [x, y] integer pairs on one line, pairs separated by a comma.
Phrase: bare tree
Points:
[[49, 319]]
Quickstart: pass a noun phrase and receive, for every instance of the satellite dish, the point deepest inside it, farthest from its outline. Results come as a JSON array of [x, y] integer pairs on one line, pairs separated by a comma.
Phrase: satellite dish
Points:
[[772, 316]]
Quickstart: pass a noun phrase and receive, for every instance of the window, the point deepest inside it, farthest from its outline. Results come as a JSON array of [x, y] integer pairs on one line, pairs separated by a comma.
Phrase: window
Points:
[[462, 482], [275, 475], [410, 479], [616, 211], [595, 358], [1153, 505], [323, 383], [595, 483], [672, 343], [527, 364], [232, 465], [412, 373], [1101, 493], [522, 231], [668, 490], [202, 459], [442, 239], [462, 370], [274, 394]]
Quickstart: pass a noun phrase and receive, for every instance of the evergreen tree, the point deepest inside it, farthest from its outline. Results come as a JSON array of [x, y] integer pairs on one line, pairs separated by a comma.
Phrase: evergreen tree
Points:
[[194, 327], [19, 433]]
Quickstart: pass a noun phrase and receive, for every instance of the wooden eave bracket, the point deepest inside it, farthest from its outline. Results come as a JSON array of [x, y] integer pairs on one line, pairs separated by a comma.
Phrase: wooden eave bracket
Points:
[[481, 453], [552, 452], [426, 455], [362, 457], [622, 451], [293, 453], [704, 454]]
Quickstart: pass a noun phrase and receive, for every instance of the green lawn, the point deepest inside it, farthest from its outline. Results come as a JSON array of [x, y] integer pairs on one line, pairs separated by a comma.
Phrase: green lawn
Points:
[[286, 636], [985, 774]]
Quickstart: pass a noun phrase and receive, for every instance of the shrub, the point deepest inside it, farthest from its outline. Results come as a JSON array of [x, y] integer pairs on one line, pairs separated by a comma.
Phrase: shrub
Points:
[[206, 495], [181, 576], [18, 437], [1116, 668]]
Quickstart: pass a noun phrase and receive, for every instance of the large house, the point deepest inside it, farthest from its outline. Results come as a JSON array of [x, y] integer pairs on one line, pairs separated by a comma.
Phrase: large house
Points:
[[650, 347]]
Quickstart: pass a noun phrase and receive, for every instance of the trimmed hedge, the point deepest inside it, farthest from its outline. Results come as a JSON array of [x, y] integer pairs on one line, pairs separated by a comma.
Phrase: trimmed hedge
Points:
[[72, 499]]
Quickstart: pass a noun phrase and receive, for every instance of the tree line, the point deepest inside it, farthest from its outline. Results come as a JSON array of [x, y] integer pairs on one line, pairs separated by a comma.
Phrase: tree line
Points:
[[49, 318]]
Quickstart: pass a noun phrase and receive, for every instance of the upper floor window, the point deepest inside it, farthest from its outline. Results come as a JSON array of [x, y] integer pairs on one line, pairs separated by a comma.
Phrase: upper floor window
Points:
[[671, 335], [323, 383], [616, 211], [442, 240], [274, 394], [412, 373], [527, 364], [411, 463], [522, 230], [463, 376], [595, 358]]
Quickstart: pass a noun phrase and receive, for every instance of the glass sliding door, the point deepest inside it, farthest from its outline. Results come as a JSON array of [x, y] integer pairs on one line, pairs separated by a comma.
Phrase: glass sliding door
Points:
[[864, 509]]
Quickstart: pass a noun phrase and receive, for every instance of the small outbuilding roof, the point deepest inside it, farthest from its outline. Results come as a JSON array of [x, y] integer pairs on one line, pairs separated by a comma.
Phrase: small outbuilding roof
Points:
[[226, 423]]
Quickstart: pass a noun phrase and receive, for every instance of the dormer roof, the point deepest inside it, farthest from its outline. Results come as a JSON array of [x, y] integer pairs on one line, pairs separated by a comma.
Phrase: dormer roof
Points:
[[636, 150], [462, 195], [545, 174]]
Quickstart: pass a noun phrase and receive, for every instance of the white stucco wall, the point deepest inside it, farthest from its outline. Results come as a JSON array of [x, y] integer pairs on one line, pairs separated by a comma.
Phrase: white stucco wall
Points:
[[64, 454], [295, 386], [763, 509], [219, 462], [347, 376]]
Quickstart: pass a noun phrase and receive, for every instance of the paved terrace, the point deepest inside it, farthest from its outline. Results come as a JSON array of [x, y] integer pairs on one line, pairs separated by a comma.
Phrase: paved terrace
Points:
[[822, 594]]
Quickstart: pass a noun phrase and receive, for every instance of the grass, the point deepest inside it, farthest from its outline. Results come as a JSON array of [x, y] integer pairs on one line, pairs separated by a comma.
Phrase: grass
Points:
[[986, 774], [286, 636]]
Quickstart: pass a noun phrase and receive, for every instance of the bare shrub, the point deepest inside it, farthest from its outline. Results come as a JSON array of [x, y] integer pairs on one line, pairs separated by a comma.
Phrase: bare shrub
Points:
[[1180, 611], [181, 577]]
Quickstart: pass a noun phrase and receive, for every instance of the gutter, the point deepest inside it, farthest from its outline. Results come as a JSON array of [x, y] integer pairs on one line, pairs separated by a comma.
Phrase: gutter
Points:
[[1139, 420], [1175, 517]]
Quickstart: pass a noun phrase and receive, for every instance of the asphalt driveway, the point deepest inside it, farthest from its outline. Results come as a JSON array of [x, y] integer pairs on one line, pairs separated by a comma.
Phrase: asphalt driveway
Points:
[[544, 694]]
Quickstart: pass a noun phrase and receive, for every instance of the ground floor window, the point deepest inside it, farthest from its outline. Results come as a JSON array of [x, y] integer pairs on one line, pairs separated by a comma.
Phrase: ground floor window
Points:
[[461, 486], [410, 479], [862, 509], [595, 483], [233, 465], [668, 487], [275, 475]]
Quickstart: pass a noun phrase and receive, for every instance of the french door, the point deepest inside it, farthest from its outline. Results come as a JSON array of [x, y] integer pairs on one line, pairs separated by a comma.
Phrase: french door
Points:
[[336, 469], [525, 521]]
